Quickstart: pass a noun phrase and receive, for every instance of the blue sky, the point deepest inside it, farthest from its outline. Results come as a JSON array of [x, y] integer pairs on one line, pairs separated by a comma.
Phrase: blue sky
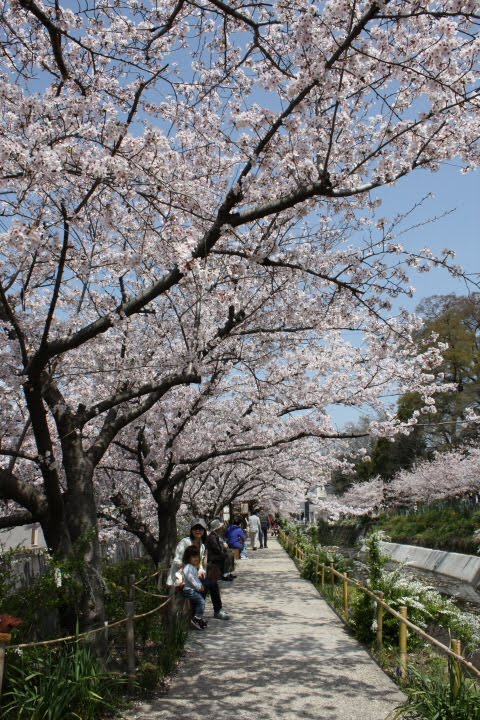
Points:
[[458, 231]]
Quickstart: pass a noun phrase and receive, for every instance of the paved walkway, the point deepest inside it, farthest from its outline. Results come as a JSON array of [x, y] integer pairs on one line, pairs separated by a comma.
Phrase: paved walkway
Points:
[[284, 655]]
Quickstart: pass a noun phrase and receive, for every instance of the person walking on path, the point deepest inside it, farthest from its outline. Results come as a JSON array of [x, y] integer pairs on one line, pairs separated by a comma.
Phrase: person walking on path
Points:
[[264, 525], [193, 588], [254, 529]]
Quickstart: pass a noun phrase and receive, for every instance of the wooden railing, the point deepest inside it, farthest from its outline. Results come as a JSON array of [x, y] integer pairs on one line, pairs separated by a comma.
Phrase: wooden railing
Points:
[[325, 575]]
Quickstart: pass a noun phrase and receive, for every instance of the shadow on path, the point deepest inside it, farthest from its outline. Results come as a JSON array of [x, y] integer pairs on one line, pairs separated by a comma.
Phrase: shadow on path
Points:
[[284, 655]]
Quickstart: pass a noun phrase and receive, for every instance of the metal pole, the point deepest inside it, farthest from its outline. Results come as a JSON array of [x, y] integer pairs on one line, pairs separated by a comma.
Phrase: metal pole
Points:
[[130, 631], [403, 642], [131, 588]]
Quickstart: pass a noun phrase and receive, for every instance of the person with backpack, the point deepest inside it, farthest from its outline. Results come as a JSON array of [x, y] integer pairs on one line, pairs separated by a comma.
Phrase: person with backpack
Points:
[[264, 525], [235, 536], [219, 558]]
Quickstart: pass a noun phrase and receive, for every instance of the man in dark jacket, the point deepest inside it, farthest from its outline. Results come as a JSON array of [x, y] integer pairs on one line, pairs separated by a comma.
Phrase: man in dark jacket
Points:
[[219, 561], [263, 534]]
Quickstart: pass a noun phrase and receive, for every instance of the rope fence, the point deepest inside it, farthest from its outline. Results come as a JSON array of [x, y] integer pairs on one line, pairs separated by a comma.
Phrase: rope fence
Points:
[[325, 577], [129, 621]]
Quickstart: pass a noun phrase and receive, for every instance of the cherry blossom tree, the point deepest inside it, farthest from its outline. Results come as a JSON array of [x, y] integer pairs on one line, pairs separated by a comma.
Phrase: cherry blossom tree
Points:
[[179, 183], [450, 475]]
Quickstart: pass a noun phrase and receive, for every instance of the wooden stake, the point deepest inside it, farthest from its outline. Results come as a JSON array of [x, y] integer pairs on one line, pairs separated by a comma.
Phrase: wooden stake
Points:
[[379, 639], [130, 642], [455, 670], [345, 595], [403, 642], [4, 641]]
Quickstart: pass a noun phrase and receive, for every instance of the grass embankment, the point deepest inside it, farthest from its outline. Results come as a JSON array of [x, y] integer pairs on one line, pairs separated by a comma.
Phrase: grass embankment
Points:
[[447, 528]]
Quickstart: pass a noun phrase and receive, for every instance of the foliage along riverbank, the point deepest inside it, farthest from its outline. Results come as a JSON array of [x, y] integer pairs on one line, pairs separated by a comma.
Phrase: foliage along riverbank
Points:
[[428, 681]]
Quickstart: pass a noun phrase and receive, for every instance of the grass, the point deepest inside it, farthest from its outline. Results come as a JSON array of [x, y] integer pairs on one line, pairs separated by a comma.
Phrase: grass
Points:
[[61, 683], [447, 528]]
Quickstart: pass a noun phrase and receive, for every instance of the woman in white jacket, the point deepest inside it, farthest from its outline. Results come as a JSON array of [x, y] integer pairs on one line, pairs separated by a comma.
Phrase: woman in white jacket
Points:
[[198, 536]]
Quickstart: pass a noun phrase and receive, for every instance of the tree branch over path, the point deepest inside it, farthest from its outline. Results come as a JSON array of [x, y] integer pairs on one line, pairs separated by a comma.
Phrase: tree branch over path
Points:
[[224, 217]]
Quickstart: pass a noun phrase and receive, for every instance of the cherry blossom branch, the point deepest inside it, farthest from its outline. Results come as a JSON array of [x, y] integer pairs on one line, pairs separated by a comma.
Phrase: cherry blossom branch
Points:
[[54, 32], [17, 519], [157, 388], [218, 452], [58, 279], [31, 498]]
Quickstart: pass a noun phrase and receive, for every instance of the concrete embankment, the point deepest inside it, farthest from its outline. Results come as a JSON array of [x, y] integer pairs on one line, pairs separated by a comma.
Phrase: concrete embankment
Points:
[[453, 573]]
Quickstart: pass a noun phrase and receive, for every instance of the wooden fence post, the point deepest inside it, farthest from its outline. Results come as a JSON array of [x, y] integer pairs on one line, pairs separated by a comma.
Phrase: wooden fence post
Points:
[[130, 631], [403, 642], [455, 670], [332, 579], [4, 640], [379, 639], [131, 588], [130, 642], [345, 595]]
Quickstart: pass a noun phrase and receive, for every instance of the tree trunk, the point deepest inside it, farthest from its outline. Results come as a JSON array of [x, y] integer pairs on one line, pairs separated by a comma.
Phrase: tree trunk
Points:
[[81, 515], [75, 539], [167, 508]]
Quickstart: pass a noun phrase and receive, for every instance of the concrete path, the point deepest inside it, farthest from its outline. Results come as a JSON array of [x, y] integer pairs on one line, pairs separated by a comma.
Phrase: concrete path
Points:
[[284, 655]]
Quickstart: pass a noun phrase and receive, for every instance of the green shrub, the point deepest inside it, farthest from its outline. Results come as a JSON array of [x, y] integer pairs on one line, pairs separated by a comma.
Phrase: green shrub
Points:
[[116, 577], [171, 647], [309, 563], [148, 675], [425, 605], [61, 683], [58, 587], [362, 606], [447, 528], [430, 698]]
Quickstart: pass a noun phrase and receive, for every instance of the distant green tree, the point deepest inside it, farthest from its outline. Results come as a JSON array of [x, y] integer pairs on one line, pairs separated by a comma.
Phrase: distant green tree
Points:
[[454, 320], [450, 319]]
